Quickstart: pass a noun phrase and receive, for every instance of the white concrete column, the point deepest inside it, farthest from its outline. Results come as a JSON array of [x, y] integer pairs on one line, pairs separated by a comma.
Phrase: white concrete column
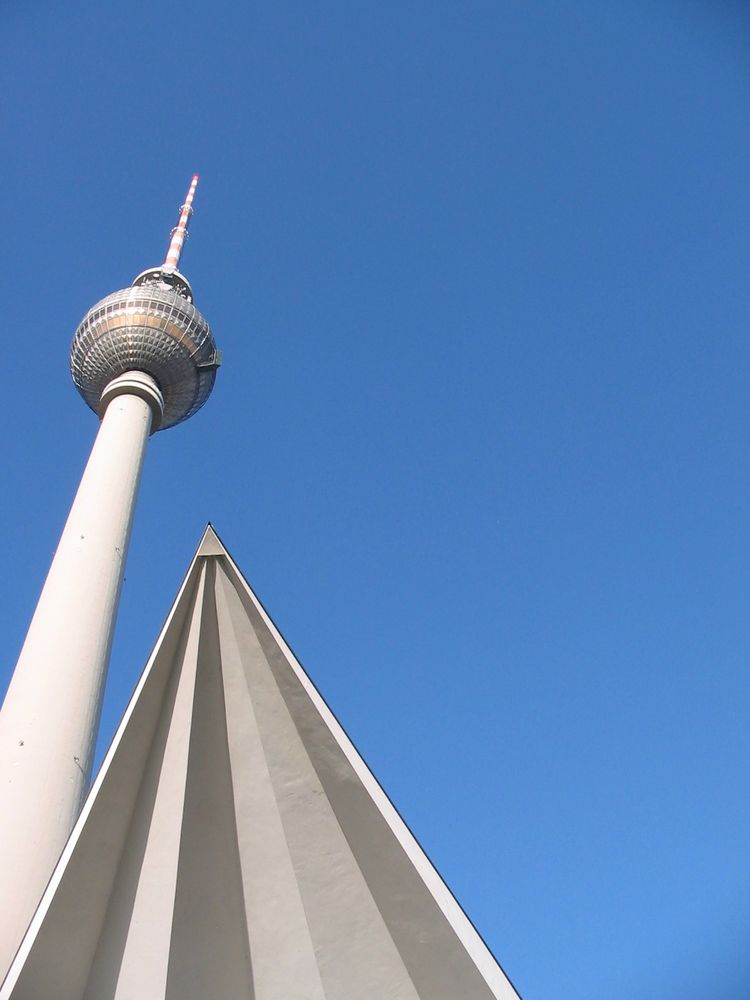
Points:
[[50, 716]]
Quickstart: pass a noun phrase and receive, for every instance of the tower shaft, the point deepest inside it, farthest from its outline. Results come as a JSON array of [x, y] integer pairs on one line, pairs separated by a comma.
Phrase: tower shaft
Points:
[[51, 712]]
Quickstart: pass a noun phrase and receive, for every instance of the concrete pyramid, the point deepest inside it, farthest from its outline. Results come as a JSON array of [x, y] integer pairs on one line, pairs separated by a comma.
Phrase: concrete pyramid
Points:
[[235, 846]]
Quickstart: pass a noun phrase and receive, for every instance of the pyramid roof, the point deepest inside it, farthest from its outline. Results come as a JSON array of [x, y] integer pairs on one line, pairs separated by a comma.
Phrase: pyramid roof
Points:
[[235, 844]]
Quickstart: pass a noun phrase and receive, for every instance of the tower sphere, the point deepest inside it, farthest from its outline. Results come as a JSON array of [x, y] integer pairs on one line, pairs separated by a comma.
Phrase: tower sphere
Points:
[[151, 327]]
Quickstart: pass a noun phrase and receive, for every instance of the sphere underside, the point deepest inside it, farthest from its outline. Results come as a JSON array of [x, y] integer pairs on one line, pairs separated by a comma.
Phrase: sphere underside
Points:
[[151, 329]]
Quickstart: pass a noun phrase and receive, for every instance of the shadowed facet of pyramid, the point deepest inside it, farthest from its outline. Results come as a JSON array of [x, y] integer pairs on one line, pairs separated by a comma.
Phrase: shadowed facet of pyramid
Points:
[[236, 847]]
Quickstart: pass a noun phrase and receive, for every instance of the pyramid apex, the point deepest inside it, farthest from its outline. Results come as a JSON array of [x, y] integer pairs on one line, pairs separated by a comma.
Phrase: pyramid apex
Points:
[[210, 543]]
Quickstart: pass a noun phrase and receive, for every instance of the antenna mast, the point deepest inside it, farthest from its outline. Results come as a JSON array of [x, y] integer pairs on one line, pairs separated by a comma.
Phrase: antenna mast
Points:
[[179, 233]]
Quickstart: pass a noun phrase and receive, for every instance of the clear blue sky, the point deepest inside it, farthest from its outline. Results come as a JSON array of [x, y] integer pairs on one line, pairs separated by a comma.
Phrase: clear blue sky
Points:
[[480, 275]]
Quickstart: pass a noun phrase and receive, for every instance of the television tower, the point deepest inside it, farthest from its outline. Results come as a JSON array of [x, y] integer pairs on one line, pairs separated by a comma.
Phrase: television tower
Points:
[[144, 359]]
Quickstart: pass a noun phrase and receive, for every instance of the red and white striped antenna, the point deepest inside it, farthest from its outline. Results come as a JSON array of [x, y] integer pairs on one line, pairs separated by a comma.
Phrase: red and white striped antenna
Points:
[[179, 233]]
